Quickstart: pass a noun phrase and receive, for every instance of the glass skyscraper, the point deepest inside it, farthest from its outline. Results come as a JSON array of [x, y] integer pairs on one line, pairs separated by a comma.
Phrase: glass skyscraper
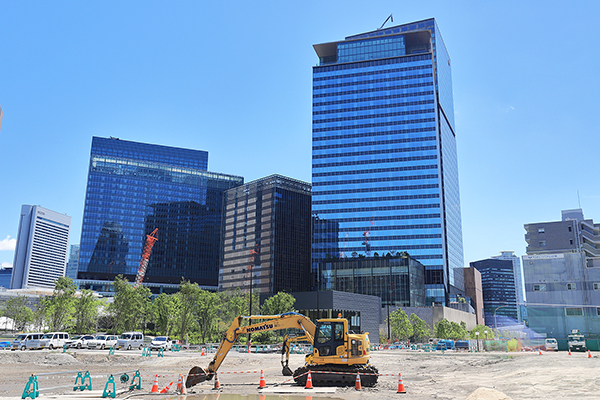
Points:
[[384, 168], [134, 188]]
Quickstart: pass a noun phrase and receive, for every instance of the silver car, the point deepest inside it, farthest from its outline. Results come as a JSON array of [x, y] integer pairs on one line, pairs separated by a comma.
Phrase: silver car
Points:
[[80, 341], [102, 342]]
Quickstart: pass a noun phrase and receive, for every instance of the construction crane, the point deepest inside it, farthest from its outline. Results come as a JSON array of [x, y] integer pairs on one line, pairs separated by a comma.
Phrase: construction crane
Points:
[[150, 240]]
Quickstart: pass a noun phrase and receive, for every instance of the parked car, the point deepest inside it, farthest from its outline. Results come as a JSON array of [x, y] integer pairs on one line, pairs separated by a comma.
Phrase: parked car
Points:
[[550, 344], [130, 340], [54, 340], [27, 341], [102, 342], [79, 341], [161, 342]]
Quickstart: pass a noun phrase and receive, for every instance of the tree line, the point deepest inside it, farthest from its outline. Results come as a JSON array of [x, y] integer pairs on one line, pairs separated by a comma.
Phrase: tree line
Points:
[[413, 328], [192, 314]]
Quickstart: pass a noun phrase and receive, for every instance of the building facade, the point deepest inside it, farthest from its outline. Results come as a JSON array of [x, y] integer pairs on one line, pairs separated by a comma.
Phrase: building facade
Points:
[[499, 292], [562, 276], [73, 264], [519, 281], [398, 280], [474, 290], [42, 248], [384, 171], [134, 188], [266, 236]]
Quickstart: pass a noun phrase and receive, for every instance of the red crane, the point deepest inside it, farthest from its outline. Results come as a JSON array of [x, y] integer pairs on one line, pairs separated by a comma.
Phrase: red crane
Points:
[[150, 240]]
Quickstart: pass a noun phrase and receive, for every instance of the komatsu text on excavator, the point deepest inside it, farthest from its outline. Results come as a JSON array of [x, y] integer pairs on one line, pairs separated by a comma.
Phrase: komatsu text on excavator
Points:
[[334, 350]]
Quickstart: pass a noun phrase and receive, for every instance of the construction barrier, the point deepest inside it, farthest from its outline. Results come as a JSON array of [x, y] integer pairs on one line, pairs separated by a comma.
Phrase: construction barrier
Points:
[[161, 352], [32, 387], [112, 350]]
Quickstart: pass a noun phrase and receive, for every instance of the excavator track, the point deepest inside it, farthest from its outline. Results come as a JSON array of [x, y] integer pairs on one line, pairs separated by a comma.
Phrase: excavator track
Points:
[[325, 375]]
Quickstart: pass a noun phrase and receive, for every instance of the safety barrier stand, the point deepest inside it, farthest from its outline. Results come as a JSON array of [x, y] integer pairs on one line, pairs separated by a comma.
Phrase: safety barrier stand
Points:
[[107, 392], [176, 347], [32, 388], [82, 378], [139, 381], [146, 352], [64, 348], [112, 350], [161, 352]]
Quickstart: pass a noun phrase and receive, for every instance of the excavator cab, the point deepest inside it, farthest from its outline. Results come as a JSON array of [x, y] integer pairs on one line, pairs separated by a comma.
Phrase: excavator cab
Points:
[[329, 338]]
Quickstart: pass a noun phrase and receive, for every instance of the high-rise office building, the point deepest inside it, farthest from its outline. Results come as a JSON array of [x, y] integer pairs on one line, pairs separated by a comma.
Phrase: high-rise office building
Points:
[[42, 248], [266, 236], [384, 169], [73, 264], [134, 188], [499, 291], [520, 289]]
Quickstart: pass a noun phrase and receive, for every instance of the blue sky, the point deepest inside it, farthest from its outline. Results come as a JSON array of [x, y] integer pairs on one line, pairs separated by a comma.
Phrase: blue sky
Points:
[[234, 79]]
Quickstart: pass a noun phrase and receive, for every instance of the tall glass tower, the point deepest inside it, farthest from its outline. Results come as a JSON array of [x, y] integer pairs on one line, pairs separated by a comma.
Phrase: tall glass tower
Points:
[[384, 168], [134, 188]]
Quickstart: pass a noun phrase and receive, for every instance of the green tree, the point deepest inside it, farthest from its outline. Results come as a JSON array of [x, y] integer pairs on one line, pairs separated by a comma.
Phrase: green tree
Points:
[[442, 329], [16, 309], [165, 308], [130, 306], [278, 304], [458, 331], [188, 296], [206, 314], [482, 335], [400, 325], [421, 331], [86, 312], [60, 305]]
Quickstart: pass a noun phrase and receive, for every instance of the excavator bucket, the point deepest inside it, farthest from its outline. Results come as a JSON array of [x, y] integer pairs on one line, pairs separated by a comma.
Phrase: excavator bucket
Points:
[[286, 371], [197, 375]]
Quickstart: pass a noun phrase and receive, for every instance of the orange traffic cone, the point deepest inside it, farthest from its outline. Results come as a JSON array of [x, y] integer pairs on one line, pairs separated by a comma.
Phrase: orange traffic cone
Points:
[[262, 383], [308, 382], [540, 351], [569, 351], [589, 354], [400, 384], [178, 384], [357, 383], [166, 389], [155, 385], [217, 383], [203, 353], [183, 390]]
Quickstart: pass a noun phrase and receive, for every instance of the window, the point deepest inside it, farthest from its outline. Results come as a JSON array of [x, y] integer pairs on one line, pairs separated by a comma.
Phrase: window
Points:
[[598, 311], [539, 288], [574, 311], [541, 230], [596, 285], [571, 286], [542, 243], [570, 241], [570, 229]]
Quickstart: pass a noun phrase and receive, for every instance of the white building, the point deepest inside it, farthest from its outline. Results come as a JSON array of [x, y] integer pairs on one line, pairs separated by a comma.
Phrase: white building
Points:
[[42, 248]]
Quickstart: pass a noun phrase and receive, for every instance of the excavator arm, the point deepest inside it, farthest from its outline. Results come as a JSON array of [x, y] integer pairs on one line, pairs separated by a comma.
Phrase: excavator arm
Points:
[[268, 323]]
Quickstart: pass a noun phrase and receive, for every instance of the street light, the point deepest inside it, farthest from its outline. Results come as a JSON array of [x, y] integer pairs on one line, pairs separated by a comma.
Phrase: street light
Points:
[[477, 335], [496, 309]]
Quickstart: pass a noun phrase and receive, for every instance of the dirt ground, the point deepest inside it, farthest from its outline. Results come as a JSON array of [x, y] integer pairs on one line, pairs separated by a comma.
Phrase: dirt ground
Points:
[[472, 376]]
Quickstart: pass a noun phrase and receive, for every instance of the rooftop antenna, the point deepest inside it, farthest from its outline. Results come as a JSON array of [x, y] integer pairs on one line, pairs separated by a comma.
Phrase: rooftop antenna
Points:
[[390, 18], [578, 199]]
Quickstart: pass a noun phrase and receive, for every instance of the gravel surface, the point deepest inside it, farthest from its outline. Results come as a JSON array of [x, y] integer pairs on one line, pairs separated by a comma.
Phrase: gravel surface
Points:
[[472, 376]]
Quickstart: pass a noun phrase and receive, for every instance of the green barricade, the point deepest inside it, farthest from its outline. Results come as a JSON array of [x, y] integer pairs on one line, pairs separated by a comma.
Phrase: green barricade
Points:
[[107, 392], [32, 389], [112, 350], [161, 352], [139, 381], [65, 348], [146, 352], [176, 347], [81, 379]]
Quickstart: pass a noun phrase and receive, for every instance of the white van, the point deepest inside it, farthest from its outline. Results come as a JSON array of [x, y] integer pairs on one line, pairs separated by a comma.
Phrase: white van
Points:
[[130, 340], [27, 341], [54, 340], [550, 344]]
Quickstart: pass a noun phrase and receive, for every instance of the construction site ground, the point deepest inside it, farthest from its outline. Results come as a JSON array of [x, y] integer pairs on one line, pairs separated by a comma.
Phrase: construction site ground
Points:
[[425, 375]]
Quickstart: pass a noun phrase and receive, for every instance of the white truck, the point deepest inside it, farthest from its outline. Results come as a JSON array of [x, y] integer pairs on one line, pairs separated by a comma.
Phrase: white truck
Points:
[[576, 341]]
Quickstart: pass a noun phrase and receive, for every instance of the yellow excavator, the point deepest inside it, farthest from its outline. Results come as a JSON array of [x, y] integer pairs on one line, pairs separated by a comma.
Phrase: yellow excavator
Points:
[[336, 358]]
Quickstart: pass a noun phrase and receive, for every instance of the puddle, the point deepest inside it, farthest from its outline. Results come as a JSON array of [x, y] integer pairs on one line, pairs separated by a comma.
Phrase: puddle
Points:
[[224, 396]]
